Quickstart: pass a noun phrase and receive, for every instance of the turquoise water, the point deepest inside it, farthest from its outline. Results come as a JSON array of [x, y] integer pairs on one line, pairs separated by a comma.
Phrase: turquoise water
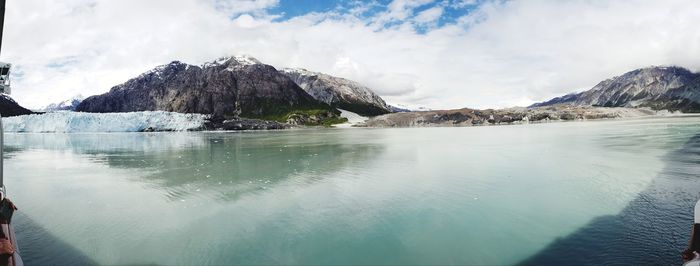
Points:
[[501, 195]]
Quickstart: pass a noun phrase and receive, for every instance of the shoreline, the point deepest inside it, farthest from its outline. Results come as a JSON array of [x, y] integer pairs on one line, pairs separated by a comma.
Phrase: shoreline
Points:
[[509, 116], [550, 121], [364, 126]]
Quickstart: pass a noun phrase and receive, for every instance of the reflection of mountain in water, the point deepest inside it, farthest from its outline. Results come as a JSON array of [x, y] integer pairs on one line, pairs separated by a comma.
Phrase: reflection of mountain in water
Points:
[[652, 230], [216, 165]]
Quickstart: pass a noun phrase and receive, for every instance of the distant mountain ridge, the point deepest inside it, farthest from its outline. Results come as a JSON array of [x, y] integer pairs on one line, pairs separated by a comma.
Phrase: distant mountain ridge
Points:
[[238, 86], [660, 88], [67, 105], [402, 108], [339, 92]]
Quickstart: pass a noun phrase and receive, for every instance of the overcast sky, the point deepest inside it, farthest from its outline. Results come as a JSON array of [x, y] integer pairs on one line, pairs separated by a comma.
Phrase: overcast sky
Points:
[[435, 53]]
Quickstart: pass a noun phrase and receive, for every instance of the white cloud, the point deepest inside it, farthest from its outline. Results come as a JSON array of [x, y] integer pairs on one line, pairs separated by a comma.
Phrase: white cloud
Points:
[[429, 15], [402, 9], [463, 3], [504, 53], [234, 7]]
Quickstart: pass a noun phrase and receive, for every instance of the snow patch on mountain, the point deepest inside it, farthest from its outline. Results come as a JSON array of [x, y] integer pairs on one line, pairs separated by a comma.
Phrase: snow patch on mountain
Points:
[[7, 97], [353, 119], [233, 62], [70, 122]]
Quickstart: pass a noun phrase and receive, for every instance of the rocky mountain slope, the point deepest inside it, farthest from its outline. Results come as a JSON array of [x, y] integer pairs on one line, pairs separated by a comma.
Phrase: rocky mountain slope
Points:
[[67, 105], [668, 88], [229, 87], [339, 92], [8, 107]]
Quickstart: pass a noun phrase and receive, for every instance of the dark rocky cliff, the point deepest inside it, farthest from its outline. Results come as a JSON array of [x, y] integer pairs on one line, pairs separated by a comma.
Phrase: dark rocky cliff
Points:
[[8, 107]]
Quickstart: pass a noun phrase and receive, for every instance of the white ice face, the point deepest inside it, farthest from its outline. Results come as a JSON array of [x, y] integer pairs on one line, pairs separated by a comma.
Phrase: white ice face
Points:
[[69, 122]]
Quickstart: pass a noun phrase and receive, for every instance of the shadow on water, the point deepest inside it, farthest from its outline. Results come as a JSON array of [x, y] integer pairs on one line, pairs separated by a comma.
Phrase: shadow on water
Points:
[[45, 249], [652, 230]]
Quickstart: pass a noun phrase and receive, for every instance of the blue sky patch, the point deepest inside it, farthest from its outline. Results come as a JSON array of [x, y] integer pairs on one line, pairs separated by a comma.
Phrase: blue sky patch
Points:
[[452, 10]]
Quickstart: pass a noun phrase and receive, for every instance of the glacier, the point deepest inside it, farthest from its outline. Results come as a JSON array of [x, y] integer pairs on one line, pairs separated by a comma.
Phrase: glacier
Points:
[[74, 122]]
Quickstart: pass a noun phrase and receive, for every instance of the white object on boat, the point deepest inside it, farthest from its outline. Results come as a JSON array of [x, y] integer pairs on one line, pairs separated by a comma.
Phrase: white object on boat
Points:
[[697, 212]]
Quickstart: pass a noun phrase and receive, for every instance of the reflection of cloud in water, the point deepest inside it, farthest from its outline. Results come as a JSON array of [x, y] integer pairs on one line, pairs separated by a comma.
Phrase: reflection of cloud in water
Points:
[[229, 166]]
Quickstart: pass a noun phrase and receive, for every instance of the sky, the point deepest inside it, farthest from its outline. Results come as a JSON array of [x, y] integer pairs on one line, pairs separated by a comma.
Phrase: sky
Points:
[[433, 53]]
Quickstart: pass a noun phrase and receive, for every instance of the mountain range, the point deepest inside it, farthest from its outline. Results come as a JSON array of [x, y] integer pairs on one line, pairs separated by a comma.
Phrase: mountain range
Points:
[[636, 93], [239, 87], [242, 87], [229, 87]]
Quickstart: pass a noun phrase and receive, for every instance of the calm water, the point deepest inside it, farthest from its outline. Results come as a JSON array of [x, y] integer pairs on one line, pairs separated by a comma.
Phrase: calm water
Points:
[[608, 192]]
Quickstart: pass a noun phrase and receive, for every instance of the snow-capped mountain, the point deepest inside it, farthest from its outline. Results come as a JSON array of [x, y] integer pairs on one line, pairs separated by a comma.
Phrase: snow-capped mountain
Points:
[[338, 92], [238, 86], [67, 105], [241, 61], [669, 88]]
